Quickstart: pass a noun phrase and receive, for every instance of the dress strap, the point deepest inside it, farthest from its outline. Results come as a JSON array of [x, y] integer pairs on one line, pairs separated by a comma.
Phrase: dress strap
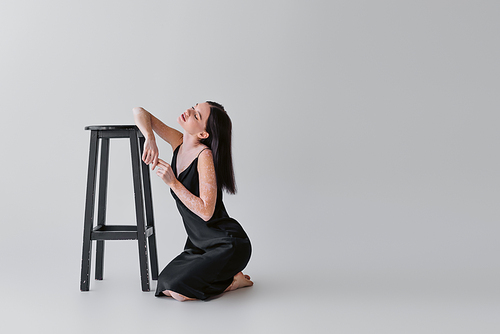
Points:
[[201, 151]]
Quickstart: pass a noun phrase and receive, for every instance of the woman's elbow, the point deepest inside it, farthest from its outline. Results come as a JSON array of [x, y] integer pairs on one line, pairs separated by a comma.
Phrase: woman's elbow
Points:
[[137, 110], [206, 216]]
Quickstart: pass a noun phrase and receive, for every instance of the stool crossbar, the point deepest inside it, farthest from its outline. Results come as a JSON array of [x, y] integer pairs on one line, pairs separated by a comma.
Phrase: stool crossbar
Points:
[[143, 230]]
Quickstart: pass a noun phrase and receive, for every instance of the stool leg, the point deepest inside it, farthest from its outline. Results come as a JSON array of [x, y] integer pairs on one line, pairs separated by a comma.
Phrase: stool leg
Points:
[[88, 222], [139, 210], [148, 199], [101, 206]]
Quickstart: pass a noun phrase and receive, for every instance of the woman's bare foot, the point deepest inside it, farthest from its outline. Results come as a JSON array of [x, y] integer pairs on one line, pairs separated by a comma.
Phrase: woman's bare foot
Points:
[[239, 281], [177, 296]]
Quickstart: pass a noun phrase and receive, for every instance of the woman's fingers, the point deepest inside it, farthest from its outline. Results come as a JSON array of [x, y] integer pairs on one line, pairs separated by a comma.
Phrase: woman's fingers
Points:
[[150, 153], [162, 163], [154, 162], [150, 157], [163, 166], [147, 156], [165, 172]]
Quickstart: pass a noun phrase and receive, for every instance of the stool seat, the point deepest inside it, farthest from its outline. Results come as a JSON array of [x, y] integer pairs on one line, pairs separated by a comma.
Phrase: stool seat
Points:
[[111, 127], [143, 231]]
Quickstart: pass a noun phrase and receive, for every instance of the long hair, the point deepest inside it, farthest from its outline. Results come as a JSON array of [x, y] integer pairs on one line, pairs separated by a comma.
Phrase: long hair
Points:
[[219, 128]]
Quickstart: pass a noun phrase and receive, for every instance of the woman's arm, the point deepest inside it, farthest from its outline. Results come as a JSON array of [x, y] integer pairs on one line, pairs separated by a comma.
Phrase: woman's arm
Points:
[[147, 123], [203, 206]]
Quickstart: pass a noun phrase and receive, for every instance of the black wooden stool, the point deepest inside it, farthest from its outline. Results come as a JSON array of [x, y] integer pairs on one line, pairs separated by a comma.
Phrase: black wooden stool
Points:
[[143, 205]]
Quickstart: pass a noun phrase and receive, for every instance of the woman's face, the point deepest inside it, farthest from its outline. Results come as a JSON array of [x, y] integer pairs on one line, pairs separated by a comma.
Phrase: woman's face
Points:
[[194, 119]]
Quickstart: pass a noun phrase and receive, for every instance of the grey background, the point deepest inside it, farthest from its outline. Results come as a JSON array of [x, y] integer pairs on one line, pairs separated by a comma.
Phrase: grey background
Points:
[[365, 148]]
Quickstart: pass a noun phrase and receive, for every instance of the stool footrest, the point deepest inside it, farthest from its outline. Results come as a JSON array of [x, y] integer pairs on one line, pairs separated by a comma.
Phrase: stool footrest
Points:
[[118, 232]]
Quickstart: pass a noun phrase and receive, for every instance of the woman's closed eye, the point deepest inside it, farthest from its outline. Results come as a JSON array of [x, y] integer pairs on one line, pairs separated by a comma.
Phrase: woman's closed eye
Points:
[[195, 117]]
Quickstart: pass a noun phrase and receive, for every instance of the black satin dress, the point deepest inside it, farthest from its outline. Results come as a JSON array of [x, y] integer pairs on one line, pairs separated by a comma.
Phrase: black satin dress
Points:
[[215, 250]]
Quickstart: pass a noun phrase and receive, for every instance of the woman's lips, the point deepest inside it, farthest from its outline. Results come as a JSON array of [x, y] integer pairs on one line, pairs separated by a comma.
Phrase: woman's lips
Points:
[[183, 117]]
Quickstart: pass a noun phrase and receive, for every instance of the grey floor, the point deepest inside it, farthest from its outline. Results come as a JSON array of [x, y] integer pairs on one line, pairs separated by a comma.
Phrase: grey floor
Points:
[[42, 295]]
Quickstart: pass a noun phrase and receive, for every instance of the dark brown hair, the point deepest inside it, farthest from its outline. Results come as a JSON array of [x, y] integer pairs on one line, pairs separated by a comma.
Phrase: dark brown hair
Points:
[[219, 128]]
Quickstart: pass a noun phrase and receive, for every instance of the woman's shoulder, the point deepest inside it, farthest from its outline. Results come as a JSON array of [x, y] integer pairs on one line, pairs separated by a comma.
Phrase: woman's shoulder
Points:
[[205, 157], [205, 150]]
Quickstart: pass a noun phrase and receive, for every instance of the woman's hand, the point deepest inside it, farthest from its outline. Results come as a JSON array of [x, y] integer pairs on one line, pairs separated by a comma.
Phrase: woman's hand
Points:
[[150, 154], [166, 173]]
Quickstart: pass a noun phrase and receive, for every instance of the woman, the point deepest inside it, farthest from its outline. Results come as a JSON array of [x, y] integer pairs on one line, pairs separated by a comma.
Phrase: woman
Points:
[[217, 247]]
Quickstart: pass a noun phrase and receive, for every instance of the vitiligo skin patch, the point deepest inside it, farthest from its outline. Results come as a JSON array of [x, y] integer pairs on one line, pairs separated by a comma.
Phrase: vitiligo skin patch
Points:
[[204, 205]]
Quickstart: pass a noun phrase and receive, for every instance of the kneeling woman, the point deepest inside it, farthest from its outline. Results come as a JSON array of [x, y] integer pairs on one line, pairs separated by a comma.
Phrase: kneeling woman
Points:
[[217, 247]]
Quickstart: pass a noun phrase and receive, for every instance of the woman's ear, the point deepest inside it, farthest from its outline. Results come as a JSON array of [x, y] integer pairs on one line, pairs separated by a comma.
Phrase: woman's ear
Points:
[[203, 135]]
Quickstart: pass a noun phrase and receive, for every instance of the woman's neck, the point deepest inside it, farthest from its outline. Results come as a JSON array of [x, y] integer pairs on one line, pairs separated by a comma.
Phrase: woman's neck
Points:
[[190, 142]]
